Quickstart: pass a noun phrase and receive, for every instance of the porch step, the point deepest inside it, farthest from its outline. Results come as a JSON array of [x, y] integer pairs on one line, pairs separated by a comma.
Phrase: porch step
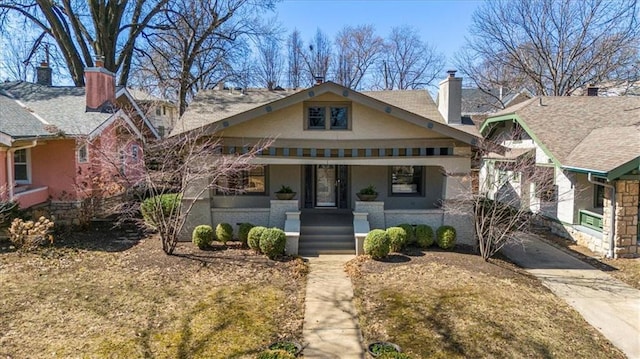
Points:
[[326, 233]]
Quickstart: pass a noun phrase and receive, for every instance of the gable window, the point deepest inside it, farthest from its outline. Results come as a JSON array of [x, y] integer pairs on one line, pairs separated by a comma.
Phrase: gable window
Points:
[[250, 182], [406, 180], [327, 116], [158, 111], [83, 154], [21, 166]]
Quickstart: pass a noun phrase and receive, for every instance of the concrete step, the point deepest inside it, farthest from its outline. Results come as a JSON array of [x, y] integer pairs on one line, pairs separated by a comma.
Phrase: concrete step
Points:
[[329, 229], [326, 238]]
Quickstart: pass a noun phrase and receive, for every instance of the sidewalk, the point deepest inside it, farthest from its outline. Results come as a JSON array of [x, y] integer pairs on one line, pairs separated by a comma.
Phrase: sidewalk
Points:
[[330, 328], [606, 303]]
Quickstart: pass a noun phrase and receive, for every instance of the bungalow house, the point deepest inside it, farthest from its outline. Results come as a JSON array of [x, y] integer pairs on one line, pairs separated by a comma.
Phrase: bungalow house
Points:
[[330, 142], [478, 103], [588, 149], [160, 112], [55, 141]]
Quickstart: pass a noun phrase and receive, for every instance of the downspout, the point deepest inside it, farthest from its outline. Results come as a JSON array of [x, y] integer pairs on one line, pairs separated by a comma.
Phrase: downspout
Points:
[[10, 153], [613, 212]]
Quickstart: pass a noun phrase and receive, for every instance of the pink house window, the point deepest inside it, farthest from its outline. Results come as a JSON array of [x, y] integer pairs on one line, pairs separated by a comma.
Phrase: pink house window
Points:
[[21, 166], [83, 154]]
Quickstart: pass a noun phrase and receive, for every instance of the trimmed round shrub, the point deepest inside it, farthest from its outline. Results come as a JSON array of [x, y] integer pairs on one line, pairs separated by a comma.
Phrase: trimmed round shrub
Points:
[[272, 242], [446, 237], [397, 238], [376, 244], [411, 232], [424, 236], [253, 238], [202, 236], [275, 354], [224, 232], [155, 208], [243, 232]]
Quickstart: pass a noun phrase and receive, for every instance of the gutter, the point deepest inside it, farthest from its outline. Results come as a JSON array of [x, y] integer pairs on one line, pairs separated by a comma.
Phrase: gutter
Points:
[[9, 166], [613, 211]]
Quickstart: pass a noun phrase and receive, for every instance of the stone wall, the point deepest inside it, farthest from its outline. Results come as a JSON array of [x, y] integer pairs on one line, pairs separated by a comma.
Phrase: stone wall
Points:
[[375, 209], [626, 222]]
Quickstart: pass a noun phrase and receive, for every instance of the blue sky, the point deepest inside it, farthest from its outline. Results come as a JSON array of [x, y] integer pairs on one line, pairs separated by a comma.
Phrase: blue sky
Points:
[[443, 24]]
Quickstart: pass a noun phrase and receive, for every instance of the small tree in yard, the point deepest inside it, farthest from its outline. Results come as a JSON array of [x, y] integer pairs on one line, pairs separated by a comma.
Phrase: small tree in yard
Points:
[[506, 196], [187, 165]]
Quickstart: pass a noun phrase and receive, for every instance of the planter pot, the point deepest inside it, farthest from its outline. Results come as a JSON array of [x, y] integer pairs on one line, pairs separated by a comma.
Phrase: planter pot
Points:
[[294, 348], [385, 346], [285, 196], [367, 197]]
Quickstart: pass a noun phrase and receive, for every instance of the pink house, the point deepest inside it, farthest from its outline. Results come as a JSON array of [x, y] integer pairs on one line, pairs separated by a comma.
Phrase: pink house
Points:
[[62, 145]]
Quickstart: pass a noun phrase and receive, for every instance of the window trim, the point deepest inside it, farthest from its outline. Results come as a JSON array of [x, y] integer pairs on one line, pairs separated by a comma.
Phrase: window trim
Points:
[[421, 191], [244, 173], [327, 115], [135, 153], [27, 164], [84, 159]]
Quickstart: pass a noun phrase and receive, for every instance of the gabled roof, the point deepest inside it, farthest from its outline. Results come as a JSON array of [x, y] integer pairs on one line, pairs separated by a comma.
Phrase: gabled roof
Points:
[[587, 132], [144, 96], [477, 101], [35, 110], [213, 109]]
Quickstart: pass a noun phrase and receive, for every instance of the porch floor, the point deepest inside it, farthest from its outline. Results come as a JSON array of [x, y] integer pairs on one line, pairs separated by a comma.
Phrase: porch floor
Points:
[[326, 231]]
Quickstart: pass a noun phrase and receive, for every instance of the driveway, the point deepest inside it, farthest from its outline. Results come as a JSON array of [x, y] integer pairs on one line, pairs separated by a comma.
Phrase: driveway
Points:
[[606, 303]]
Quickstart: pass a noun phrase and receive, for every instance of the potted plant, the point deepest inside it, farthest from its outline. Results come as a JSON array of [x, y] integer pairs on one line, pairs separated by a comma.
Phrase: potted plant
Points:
[[291, 347], [285, 193], [368, 193]]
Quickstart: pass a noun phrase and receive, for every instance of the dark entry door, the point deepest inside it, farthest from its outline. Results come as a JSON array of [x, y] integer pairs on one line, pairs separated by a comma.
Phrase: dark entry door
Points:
[[326, 186]]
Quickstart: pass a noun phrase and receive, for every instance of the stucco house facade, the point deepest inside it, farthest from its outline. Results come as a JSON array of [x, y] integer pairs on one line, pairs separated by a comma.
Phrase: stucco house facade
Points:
[[328, 143], [56, 141], [588, 149]]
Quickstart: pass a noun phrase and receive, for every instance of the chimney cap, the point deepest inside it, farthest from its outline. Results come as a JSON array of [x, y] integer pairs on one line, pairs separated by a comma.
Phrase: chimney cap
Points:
[[452, 72], [99, 60], [43, 63], [319, 79]]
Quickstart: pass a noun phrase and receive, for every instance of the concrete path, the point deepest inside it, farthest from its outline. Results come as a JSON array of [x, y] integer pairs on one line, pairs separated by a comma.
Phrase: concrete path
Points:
[[330, 328], [606, 303]]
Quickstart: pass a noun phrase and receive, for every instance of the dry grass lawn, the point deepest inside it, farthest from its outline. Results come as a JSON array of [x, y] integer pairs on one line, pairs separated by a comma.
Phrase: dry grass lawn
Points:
[[96, 297], [439, 304]]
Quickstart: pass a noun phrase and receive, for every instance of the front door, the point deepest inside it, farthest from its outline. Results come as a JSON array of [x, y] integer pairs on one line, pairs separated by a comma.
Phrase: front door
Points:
[[325, 186]]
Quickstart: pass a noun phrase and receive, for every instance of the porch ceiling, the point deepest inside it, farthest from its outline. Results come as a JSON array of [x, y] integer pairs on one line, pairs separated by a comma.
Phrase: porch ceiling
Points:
[[451, 164]]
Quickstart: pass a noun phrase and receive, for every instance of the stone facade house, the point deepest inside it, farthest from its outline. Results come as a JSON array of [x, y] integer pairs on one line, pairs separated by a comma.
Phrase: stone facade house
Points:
[[589, 148], [330, 142], [56, 141]]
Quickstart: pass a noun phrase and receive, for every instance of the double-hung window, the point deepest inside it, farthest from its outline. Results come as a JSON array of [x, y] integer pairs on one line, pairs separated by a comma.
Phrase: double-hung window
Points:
[[21, 166], [332, 116]]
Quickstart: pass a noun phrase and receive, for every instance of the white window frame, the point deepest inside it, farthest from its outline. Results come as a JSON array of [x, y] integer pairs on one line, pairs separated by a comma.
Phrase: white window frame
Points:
[[27, 164], [82, 159]]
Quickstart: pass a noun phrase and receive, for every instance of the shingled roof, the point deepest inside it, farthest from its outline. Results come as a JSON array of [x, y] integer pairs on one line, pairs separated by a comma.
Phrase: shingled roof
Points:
[[587, 132], [54, 109], [212, 106]]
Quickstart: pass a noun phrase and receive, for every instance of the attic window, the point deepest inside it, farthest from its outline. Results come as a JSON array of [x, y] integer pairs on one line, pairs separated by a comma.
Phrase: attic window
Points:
[[327, 116]]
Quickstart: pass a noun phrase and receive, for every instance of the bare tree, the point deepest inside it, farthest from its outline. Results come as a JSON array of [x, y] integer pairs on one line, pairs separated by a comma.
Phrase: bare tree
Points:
[[270, 63], [295, 62], [554, 47], [358, 48], [318, 59], [200, 42], [82, 29], [408, 62]]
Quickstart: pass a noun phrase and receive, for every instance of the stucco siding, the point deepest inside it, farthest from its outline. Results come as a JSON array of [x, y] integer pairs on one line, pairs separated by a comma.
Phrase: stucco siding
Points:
[[53, 165], [366, 124]]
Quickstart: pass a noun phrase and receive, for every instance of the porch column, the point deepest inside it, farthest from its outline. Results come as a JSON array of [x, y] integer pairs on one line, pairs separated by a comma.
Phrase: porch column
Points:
[[201, 211], [458, 211], [626, 218]]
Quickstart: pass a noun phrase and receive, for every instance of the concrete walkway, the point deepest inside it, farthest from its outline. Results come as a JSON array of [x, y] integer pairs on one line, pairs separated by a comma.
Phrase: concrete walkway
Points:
[[606, 303], [330, 328]]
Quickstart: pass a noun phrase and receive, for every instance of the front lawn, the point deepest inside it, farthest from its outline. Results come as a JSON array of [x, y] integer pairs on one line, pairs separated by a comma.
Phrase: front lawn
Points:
[[438, 304], [98, 297]]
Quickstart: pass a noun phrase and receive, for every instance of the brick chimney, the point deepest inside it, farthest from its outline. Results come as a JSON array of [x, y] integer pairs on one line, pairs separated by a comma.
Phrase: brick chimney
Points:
[[100, 87], [592, 90], [43, 74], [450, 98]]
